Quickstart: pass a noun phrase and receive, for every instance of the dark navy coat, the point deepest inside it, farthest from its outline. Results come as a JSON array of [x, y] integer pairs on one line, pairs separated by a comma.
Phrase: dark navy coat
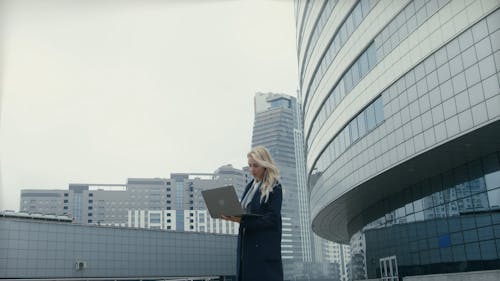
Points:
[[259, 239]]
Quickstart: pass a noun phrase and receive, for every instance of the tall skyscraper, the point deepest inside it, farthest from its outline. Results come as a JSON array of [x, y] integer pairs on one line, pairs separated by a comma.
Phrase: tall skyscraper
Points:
[[302, 194], [276, 127], [401, 104]]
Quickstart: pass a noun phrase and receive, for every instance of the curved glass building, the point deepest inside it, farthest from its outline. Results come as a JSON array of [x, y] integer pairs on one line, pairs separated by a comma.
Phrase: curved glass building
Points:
[[401, 104]]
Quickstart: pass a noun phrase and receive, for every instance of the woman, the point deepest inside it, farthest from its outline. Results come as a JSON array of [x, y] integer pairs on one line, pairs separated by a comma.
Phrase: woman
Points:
[[259, 239]]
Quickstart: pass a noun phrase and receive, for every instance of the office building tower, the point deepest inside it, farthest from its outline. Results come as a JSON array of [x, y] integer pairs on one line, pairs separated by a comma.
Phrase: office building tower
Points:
[[401, 105], [276, 128]]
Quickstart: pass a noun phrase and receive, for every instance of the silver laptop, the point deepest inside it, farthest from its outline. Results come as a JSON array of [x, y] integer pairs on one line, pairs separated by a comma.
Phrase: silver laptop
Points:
[[223, 201]]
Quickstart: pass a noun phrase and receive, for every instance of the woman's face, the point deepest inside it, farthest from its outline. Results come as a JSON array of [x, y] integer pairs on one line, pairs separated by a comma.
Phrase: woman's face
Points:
[[256, 170]]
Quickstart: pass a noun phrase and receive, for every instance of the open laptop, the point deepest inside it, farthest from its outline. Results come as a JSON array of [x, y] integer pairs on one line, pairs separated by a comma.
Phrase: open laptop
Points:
[[223, 201]]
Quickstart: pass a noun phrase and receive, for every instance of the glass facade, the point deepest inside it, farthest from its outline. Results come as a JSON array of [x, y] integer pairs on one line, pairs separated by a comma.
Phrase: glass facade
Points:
[[349, 80], [325, 13], [391, 169], [405, 23], [349, 25], [362, 124], [441, 96], [446, 223]]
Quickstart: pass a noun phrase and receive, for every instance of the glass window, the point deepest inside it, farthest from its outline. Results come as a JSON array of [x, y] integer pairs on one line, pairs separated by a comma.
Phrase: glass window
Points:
[[409, 208], [355, 73], [322, 115], [494, 199], [446, 255], [456, 65], [336, 146], [432, 80], [465, 205], [419, 216], [431, 228], [350, 25], [342, 35], [371, 54], [488, 251], [335, 97], [461, 184], [421, 15], [472, 251], [341, 141], [470, 236], [331, 101], [347, 138], [468, 222], [412, 23], [361, 123], [485, 233], [357, 15], [330, 155], [429, 64], [440, 57], [421, 89], [348, 81], [443, 73], [400, 213], [370, 117], [480, 202], [418, 205], [419, 72], [365, 7], [459, 253], [465, 40], [434, 256], [454, 225], [353, 127], [491, 171], [452, 209], [341, 86], [379, 110]]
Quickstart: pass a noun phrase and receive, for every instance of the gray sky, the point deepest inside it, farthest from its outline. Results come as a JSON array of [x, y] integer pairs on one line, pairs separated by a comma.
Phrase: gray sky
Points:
[[99, 91]]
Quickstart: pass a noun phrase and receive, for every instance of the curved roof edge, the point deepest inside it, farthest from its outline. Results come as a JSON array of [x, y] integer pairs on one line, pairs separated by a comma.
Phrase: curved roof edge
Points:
[[341, 218]]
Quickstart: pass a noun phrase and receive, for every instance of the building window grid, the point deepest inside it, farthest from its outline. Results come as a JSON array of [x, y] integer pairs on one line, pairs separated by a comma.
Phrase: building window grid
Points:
[[461, 237], [346, 83], [350, 134], [339, 39], [399, 23], [325, 14], [405, 92], [305, 17]]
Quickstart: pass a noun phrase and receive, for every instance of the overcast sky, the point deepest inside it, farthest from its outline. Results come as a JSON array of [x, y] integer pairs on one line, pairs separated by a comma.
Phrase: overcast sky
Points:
[[97, 91]]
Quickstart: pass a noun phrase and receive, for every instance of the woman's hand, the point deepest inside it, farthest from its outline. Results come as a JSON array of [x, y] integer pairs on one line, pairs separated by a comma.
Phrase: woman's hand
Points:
[[231, 218]]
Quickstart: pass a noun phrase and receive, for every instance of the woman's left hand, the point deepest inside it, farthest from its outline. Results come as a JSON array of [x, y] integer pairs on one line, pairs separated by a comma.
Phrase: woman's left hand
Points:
[[231, 218]]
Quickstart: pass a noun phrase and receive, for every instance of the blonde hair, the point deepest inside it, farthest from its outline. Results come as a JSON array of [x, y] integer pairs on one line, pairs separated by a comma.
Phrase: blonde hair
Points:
[[263, 158]]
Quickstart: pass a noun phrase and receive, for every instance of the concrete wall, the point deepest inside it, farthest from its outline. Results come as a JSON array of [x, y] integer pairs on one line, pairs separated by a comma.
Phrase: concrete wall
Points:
[[38, 249]]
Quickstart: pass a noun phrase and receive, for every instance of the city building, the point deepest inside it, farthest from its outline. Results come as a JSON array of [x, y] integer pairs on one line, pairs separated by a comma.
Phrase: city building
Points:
[[334, 253], [401, 105], [170, 204], [276, 127], [85, 203]]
